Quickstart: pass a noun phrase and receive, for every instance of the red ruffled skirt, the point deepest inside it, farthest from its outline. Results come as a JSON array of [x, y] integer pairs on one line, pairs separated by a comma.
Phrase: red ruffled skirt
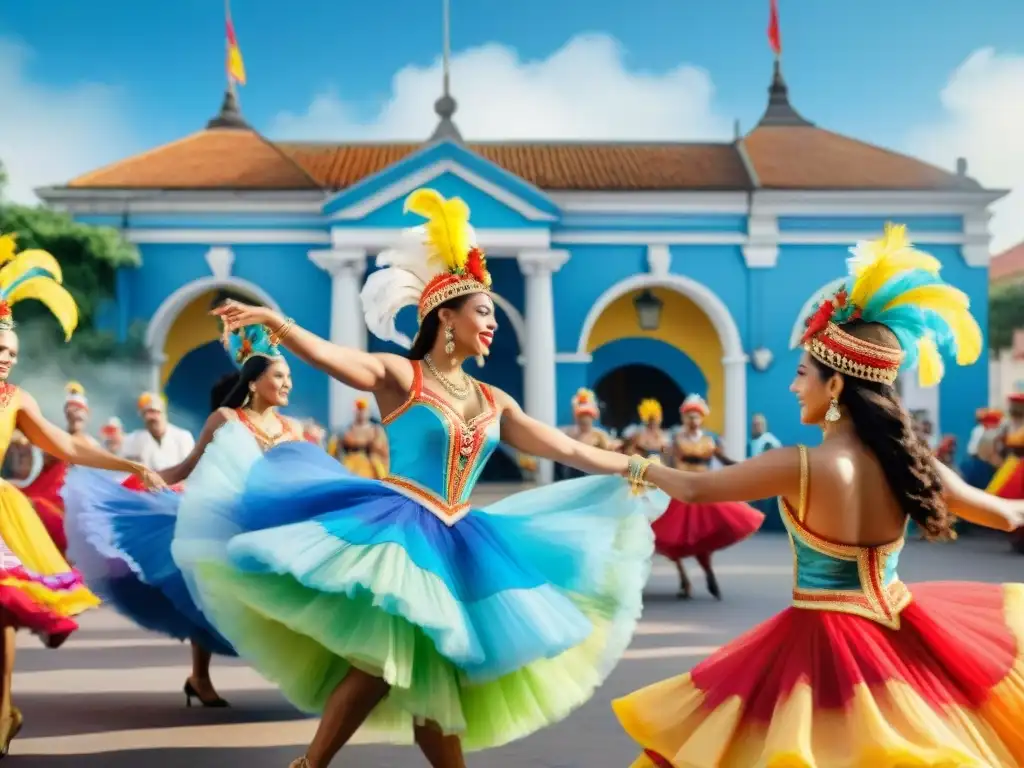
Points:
[[44, 493], [818, 689], [689, 530]]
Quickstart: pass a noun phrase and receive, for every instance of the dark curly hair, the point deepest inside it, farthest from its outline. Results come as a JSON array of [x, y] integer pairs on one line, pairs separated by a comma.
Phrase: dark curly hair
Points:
[[885, 427], [431, 326]]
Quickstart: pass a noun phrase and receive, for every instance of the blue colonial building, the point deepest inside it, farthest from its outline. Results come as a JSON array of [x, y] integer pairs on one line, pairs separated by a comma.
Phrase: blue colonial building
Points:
[[638, 269]]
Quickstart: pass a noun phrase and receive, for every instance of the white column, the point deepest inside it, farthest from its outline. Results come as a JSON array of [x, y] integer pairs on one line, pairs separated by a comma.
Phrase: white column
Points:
[[736, 417], [540, 390], [157, 359], [346, 267]]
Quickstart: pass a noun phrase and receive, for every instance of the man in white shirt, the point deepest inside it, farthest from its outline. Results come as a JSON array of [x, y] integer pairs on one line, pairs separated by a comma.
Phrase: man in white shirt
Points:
[[160, 445]]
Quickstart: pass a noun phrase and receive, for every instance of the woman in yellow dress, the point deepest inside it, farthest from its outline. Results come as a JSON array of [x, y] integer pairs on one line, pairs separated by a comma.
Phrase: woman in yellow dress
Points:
[[863, 669], [363, 448], [39, 591]]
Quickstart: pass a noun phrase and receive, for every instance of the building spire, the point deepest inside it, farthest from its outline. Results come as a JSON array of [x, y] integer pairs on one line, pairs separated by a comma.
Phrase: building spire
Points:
[[230, 115], [446, 105], [780, 111]]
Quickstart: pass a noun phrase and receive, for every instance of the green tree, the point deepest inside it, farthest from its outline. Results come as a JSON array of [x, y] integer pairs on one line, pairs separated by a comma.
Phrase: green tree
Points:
[[89, 257], [1005, 315]]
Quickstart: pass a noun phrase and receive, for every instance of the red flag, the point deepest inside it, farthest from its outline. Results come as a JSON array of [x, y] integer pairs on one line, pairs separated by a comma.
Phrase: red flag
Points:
[[235, 65], [774, 34]]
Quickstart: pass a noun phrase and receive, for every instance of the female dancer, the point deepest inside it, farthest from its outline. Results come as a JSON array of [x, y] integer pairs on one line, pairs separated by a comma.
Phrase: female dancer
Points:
[[649, 439], [1008, 481], [585, 413], [863, 669], [697, 530], [38, 589], [451, 626], [121, 540], [363, 448]]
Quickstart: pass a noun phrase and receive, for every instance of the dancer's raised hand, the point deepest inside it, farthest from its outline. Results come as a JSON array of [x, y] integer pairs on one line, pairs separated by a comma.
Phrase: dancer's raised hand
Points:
[[237, 315]]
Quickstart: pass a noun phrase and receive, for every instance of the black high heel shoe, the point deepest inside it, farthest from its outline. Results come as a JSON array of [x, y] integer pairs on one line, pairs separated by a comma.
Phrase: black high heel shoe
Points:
[[192, 693]]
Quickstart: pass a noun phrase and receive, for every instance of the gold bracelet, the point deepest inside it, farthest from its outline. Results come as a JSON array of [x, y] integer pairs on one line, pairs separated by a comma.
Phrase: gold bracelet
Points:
[[278, 336], [637, 473]]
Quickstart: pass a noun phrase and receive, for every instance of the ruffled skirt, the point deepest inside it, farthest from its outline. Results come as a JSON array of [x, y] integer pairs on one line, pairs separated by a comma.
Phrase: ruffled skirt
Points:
[[690, 530], [817, 689], [493, 627], [44, 493], [120, 539], [39, 591], [1008, 481]]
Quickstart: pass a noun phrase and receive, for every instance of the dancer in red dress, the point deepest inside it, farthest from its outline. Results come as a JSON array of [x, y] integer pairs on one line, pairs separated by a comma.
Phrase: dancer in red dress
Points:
[[697, 530], [863, 670]]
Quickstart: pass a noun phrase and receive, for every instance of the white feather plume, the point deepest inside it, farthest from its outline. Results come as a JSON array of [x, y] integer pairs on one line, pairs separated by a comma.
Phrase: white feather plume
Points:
[[402, 276]]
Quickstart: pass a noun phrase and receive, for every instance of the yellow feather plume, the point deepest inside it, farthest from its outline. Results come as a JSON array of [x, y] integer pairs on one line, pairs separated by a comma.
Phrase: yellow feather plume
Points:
[[74, 388], [930, 367], [649, 409], [8, 245], [875, 262], [953, 306], [33, 258], [447, 226], [54, 295]]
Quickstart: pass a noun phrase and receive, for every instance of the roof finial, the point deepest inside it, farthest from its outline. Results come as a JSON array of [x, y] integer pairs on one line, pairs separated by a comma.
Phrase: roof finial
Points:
[[446, 105], [230, 115], [780, 111]]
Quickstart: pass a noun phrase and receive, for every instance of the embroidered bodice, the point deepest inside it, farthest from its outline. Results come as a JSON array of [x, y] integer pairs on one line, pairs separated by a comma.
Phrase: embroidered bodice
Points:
[[829, 576], [267, 441], [695, 454], [436, 456]]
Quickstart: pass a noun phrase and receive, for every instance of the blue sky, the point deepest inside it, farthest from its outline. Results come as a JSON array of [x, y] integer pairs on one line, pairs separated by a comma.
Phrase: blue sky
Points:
[[139, 74]]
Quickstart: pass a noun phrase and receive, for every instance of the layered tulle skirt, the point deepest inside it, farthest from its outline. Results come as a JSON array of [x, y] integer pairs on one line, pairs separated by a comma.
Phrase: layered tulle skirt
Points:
[[491, 627], [120, 540], [817, 689], [691, 530], [1008, 481], [39, 591]]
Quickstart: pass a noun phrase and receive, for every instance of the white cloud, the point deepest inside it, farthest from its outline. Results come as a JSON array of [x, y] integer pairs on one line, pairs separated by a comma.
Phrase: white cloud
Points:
[[50, 135], [984, 122], [582, 91]]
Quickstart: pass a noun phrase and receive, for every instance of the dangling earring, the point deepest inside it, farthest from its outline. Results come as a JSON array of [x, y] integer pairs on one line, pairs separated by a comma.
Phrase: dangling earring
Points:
[[449, 343], [480, 361], [832, 415]]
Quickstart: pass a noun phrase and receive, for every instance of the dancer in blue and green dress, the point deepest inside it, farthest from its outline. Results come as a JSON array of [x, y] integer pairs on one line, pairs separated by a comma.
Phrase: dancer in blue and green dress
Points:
[[396, 603]]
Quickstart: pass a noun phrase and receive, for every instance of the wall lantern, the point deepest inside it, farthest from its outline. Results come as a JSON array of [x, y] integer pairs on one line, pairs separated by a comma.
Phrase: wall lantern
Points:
[[648, 310], [761, 358]]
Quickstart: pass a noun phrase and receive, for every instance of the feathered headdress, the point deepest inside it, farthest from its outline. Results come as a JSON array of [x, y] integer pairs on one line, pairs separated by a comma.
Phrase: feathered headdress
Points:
[[897, 286], [151, 401], [648, 410], [436, 262], [695, 404], [249, 341], [361, 404], [33, 274], [584, 403], [75, 395]]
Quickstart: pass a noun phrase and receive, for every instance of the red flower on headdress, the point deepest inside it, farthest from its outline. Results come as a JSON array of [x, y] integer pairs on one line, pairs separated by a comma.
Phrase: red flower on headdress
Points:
[[476, 266], [5, 309], [245, 350], [836, 309]]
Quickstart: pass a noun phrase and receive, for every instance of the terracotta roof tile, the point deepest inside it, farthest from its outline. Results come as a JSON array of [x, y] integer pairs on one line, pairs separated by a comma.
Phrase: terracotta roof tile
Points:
[[807, 157], [224, 158], [1008, 264], [558, 166]]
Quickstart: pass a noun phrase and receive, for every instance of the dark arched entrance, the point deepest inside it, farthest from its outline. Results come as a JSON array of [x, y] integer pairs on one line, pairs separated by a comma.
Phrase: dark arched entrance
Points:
[[621, 390]]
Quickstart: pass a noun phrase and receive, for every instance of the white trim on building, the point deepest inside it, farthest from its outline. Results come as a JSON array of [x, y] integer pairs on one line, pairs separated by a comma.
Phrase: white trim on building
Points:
[[422, 177], [228, 236], [734, 359], [497, 242]]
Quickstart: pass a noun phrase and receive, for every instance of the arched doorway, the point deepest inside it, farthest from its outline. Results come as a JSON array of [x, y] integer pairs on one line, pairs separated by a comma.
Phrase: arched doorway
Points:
[[620, 391], [184, 342]]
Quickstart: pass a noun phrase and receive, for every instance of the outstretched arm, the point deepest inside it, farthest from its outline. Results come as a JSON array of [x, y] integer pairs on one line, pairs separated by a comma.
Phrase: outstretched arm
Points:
[[182, 470], [74, 450], [534, 438], [976, 506], [775, 473], [359, 370]]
